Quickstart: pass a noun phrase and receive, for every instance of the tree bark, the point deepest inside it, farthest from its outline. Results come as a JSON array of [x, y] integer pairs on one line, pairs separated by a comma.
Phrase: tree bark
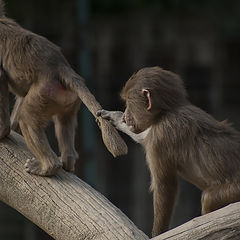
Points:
[[67, 208], [218, 225], [63, 206]]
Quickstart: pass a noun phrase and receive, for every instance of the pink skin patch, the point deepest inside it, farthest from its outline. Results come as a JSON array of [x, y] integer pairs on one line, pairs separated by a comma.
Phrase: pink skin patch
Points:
[[55, 91]]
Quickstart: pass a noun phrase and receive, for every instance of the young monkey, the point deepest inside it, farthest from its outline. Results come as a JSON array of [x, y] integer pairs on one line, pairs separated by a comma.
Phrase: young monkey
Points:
[[179, 139]]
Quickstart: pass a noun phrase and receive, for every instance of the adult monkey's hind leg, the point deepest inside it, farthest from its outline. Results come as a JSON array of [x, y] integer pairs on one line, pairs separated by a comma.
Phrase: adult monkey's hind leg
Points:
[[218, 196], [15, 112], [33, 117], [4, 106], [65, 126]]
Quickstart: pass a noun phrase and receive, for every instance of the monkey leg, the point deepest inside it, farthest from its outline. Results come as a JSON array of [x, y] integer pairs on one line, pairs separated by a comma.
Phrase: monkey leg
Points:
[[4, 106], [14, 114], [33, 117], [65, 125], [219, 196]]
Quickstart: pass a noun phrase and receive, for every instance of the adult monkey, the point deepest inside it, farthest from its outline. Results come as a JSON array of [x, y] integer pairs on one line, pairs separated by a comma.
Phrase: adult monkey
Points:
[[178, 138], [35, 70]]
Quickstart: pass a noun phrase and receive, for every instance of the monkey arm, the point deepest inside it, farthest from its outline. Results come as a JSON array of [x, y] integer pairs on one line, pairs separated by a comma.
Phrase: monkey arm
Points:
[[164, 195], [163, 202], [116, 119]]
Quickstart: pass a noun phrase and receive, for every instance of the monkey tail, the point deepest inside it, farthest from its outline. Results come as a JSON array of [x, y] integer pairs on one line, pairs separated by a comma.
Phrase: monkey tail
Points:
[[2, 8], [111, 138]]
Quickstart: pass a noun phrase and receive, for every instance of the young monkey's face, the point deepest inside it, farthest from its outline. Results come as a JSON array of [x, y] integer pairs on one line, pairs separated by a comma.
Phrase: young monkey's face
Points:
[[137, 115], [134, 117], [128, 118], [149, 94]]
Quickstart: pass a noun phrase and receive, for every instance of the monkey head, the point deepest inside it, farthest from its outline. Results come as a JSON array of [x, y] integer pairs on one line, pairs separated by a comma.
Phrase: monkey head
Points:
[[149, 94]]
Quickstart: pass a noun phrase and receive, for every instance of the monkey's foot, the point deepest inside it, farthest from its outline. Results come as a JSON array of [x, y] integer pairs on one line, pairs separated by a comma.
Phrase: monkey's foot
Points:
[[69, 161], [34, 166]]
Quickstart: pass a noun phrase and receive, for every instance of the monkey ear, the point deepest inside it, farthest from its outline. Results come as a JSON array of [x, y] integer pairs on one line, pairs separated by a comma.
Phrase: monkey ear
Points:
[[147, 94]]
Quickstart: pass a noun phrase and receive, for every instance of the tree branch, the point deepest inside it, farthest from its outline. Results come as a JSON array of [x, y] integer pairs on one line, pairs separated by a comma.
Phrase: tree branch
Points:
[[63, 206], [221, 224], [67, 208]]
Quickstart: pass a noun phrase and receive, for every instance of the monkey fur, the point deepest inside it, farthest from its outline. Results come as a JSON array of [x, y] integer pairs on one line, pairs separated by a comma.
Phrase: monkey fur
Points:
[[47, 88], [179, 139]]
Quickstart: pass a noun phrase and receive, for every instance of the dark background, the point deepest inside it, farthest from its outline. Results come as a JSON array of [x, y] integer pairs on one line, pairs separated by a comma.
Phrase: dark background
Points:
[[106, 41]]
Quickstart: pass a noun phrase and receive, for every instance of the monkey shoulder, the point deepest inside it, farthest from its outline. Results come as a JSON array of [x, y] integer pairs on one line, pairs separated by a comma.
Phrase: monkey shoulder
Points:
[[205, 130], [176, 125], [188, 123], [205, 123]]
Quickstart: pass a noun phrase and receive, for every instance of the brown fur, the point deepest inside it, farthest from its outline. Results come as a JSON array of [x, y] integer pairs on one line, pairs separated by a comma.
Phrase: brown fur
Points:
[[2, 9], [179, 138], [35, 70]]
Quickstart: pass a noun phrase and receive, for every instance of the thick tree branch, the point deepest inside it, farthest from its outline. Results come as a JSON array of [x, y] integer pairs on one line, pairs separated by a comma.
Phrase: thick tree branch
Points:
[[221, 224], [67, 208], [63, 206]]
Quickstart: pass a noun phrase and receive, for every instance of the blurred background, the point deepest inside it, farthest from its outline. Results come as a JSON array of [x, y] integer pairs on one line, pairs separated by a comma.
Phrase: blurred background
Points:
[[106, 41]]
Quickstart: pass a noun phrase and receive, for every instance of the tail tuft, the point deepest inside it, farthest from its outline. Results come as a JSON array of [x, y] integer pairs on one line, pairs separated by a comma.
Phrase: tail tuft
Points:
[[110, 135], [111, 138], [2, 8]]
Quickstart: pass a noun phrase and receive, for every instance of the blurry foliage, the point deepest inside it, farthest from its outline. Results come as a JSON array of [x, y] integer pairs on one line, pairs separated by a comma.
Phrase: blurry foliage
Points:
[[108, 6], [219, 9], [224, 11]]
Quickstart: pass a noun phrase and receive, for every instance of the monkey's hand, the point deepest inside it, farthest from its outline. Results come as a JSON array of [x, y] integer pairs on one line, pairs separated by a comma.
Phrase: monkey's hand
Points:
[[116, 118]]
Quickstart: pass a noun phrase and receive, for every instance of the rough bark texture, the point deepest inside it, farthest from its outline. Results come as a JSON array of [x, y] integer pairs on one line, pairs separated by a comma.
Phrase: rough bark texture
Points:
[[221, 224], [63, 206], [67, 208]]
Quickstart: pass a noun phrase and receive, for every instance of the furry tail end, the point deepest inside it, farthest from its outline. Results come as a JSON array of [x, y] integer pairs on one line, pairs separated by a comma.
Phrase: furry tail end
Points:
[[111, 138], [2, 8]]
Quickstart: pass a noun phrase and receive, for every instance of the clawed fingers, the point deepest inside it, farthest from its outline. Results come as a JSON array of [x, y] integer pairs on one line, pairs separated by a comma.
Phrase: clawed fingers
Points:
[[114, 117], [98, 122], [104, 114]]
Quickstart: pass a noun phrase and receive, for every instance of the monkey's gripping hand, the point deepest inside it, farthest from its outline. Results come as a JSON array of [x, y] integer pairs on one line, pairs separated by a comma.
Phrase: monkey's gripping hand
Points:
[[116, 118]]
